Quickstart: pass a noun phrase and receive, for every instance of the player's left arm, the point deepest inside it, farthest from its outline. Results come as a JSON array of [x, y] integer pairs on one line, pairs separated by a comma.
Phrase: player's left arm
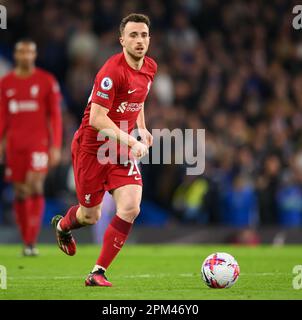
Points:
[[55, 119], [145, 135], [3, 120]]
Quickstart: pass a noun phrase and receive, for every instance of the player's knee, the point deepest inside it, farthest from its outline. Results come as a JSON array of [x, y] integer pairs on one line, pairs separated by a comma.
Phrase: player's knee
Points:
[[36, 188], [130, 212], [90, 216], [22, 192], [36, 192], [90, 220], [20, 196]]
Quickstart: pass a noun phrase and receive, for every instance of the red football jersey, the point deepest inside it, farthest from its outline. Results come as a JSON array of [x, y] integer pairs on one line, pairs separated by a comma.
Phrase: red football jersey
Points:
[[30, 114], [122, 90]]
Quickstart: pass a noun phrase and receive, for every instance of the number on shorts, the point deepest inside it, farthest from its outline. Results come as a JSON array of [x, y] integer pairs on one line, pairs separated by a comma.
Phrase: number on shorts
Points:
[[39, 160], [133, 165]]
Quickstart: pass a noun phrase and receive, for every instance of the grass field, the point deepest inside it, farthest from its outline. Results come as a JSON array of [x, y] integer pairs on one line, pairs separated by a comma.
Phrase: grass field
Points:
[[149, 272]]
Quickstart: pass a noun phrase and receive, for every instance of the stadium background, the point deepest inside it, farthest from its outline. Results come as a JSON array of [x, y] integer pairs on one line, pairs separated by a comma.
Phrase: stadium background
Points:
[[234, 69]]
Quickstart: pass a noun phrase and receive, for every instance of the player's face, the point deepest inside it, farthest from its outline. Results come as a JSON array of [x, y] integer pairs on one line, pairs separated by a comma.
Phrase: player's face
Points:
[[25, 54], [135, 39]]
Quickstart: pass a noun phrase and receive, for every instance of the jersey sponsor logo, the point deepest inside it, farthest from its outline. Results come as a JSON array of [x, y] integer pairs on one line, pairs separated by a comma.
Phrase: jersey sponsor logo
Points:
[[122, 107], [102, 95], [106, 83], [131, 91], [15, 106], [132, 107], [34, 90]]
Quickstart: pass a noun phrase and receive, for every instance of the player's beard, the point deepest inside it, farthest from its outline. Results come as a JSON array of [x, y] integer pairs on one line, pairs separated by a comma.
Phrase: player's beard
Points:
[[136, 57], [25, 67]]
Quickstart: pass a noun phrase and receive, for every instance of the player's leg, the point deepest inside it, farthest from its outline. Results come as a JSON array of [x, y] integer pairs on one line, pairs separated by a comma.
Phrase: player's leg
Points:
[[35, 182], [127, 198], [80, 216], [21, 209], [76, 217], [17, 164], [89, 188], [33, 167]]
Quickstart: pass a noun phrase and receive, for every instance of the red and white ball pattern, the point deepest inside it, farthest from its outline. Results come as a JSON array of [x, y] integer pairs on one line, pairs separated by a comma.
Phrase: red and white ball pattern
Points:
[[220, 270]]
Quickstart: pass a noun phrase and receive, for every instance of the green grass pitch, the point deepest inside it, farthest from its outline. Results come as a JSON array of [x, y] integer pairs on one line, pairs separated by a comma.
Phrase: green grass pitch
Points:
[[163, 272]]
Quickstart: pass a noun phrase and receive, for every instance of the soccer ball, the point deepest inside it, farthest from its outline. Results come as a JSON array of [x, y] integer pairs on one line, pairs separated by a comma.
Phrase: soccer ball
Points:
[[220, 270]]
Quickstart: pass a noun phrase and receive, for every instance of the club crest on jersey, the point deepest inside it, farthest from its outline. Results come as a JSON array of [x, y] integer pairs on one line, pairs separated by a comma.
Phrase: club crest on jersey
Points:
[[34, 90], [106, 83], [10, 92]]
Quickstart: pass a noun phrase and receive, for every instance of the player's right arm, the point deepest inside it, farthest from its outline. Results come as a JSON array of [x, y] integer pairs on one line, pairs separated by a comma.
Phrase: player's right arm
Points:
[[107, 82], [101, 122]]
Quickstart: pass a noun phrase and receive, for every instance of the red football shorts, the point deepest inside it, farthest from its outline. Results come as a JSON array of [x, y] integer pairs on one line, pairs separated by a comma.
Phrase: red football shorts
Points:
[[93, 179], [19, 162]]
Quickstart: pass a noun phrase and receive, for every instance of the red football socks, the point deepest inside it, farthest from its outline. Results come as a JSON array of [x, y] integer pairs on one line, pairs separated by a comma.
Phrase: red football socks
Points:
[[21, 212], [114, 239], [35, 215], [70, 220], [29, 214]]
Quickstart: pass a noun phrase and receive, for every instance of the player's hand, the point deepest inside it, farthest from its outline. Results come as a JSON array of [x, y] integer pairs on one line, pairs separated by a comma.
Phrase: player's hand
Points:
[[139, 150], [54, 156], [146, 137]]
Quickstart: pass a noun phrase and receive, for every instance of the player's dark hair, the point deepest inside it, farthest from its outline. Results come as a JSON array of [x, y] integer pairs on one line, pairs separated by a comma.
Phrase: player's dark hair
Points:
[[134, 17]]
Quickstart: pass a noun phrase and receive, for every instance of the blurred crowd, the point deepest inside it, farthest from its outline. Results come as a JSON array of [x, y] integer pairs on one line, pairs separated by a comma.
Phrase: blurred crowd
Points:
[[233, 68]]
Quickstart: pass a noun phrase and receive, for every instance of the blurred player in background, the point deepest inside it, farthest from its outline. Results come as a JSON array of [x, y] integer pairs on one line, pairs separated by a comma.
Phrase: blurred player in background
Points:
[[120, 89], [30, 137]]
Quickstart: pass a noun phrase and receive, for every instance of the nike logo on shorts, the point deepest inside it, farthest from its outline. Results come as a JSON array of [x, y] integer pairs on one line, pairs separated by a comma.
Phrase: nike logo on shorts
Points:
[[131, 91]]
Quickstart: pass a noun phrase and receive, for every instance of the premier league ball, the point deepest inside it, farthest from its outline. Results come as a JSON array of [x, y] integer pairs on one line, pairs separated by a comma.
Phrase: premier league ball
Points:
[[220, 270]]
